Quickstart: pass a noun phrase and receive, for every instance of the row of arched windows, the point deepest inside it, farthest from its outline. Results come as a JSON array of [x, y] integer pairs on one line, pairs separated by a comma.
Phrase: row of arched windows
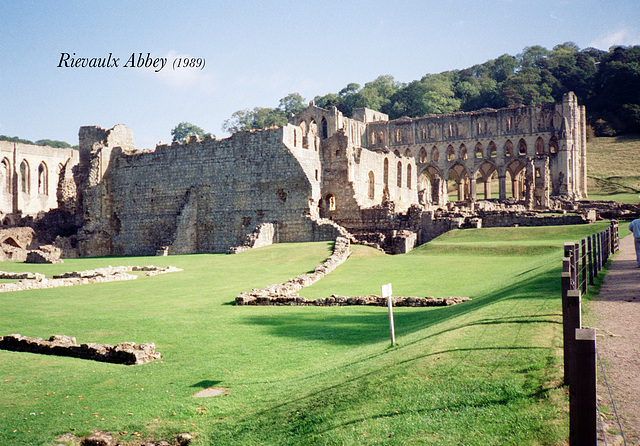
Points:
[[491, 151], [399, 182], [24, 180]]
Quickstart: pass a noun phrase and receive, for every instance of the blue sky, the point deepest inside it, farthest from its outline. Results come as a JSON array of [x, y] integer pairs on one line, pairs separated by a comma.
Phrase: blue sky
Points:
[[256, 53]]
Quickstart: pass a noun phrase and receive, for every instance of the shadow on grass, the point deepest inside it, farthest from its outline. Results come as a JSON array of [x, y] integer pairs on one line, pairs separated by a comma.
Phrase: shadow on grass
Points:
[[205, 383], [365, 325]]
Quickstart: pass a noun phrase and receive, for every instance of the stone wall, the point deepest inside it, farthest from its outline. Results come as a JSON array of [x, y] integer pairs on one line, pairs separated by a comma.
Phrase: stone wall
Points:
[[29, 176]]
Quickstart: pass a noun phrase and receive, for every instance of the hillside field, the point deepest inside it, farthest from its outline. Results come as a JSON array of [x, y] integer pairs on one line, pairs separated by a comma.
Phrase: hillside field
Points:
[[485, 372], [613, 168]]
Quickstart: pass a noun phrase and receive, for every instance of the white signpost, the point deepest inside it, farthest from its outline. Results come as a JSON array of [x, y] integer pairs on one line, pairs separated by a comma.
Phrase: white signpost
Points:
[[386, 292]]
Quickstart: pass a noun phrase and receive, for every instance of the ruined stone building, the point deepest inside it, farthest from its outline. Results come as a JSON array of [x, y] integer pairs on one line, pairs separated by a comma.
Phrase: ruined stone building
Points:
[[29, 177], [321, 174]]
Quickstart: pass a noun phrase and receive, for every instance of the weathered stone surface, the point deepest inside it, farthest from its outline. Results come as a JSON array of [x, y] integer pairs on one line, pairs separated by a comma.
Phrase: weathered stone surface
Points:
[[44, 254], [124, 353]]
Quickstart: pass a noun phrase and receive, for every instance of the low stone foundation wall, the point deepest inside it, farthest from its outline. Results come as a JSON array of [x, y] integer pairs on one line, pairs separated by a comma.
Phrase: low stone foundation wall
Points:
[[127, 353], [341, 252], [334, 300], [31, 281]]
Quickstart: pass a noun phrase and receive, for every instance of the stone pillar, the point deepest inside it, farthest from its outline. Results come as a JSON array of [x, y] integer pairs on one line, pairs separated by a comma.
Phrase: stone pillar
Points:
[[473, 192], [487, 189], [502, 186]]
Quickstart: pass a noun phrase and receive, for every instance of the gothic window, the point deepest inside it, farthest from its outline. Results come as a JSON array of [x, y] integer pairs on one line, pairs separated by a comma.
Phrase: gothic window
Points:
[[332, 202], [422, 155], [325, 131], [435, 155], [463, 152], [479, 154], [373, 138], [522, 147], [553, 145], [508, 148], [539, 146], [372, 185], [386, 172], [399, 173], [451, 153], [381, 137], [43, 179], [25, 177], [408, 176], [493, 150], [408, 153], [5, 171]]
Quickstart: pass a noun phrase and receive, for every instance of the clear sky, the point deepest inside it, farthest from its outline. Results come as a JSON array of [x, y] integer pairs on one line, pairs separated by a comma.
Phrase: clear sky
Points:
[[256, 52]]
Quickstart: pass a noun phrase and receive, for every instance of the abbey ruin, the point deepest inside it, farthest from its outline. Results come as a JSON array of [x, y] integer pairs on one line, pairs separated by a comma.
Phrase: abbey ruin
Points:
[[391, 184]]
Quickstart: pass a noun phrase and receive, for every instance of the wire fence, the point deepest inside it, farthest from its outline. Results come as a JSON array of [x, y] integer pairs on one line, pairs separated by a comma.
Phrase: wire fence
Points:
[[581, 265]]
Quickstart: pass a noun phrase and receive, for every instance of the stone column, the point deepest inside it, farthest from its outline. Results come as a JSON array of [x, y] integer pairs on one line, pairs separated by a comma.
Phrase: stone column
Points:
[[502, 186]]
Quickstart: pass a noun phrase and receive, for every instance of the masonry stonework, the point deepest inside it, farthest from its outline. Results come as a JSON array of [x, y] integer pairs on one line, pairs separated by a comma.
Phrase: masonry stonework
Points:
[[320, 173]]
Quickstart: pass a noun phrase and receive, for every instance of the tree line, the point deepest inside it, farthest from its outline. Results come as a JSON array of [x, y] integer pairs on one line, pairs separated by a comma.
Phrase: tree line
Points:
[[606, 82], [41, 142]]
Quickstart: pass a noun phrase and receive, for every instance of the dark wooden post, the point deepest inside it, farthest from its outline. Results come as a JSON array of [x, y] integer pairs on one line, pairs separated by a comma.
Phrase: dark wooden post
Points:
[[570, 321], [590, 258], [615, 242], [582, 402], [583, 266], [596, 251]]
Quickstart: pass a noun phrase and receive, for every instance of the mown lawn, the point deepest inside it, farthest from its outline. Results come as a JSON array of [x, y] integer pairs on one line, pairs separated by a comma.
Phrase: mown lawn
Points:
[[486, 372], [613, 168]]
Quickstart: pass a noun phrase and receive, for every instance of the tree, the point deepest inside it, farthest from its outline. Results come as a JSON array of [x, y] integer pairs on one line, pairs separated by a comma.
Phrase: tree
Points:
[[182, 131], [292, 104]]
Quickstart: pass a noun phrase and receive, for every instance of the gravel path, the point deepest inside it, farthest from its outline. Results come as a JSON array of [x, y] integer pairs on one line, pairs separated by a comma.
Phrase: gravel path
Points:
[[616, 316]]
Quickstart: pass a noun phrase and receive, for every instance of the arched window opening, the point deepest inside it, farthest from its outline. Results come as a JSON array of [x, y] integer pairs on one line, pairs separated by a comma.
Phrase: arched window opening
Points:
[[539, 146], [508, 148], [479, 153], [522, 148], [451, 153], [493, 150], [43, 179], [408, 176], [386, 172], [553, 145], [399, 174], [435, 155], [373, 138], [408, 153], [325, 131], [372, 185], [24, 177], [5, 172], [463, 152], [422, 157]]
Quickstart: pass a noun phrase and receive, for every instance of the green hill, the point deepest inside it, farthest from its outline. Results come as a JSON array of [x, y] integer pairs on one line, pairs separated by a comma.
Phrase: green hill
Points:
[[613, 168]]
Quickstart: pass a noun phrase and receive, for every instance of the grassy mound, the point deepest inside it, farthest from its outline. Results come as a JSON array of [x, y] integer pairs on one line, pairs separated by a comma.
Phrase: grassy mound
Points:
[[486, 372], [612, 168]]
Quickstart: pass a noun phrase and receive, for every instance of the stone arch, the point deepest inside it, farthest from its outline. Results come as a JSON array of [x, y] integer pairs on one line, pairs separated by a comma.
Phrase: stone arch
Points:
[[430, 183], [396, 152], [539, 146], [463, 152], [5, 176], [516, 171], [508, 148], [493, 150], [522, 147], [422, 156], [553, 144], [305, 141], [458, 181], [25, 177], [486, 174], [43, 179], [380, 137], [409, 176], [373, 138], [313, 133], [325, 130], [435, 155], [408, 153], [372, 185], [451, 153], [479, 152], [399, 174]]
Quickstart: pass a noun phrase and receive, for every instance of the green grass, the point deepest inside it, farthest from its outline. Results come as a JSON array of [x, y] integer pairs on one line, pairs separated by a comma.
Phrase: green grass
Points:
[[486, 372], [612, 168]]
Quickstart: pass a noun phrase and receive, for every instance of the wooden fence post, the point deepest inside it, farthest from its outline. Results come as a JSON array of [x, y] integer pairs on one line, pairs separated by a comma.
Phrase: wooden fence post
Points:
[[582, 402], [583, 266], [570, 321], [590, 258]]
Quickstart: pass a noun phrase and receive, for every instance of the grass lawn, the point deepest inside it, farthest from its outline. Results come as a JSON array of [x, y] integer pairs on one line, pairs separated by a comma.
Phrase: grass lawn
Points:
[[485, 372]]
